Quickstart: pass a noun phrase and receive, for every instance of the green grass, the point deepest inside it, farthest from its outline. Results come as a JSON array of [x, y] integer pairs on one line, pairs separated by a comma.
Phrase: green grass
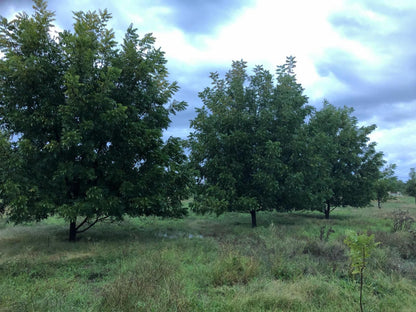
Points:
[[205, 263]]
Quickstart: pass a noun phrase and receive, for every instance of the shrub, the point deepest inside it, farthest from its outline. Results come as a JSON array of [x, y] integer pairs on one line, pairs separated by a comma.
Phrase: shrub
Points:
[[403, 242]]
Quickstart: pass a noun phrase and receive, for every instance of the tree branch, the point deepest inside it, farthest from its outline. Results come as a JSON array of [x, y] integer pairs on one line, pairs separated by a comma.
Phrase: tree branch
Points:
[[91, 224], [82, 223]]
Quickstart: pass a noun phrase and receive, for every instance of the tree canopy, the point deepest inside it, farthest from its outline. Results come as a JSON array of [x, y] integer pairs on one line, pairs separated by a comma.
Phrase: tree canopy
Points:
[[411, 183], [386, 184], [245, 139], [257, 145], [86, 117], [82, 120], [344, 166]]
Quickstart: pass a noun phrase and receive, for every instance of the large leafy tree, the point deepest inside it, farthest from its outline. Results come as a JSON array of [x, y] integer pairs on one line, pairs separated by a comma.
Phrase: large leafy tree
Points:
[[344, 165], [385, 184], [245, 139], [87, 118], [411, 183]]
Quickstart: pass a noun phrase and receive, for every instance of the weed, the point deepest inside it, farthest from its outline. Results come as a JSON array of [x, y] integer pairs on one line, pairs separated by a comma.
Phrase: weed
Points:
[[402, 221], [324, 235], [151, 285], [333, 251], [286, 270], [233, 269], [404, 243]]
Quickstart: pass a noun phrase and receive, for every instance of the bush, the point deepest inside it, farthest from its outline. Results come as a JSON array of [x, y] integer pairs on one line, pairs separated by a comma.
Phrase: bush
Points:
[[403, 242]]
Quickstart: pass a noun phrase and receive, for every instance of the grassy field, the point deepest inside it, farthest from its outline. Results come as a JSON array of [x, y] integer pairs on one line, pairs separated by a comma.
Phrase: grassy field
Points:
[[291, 262]]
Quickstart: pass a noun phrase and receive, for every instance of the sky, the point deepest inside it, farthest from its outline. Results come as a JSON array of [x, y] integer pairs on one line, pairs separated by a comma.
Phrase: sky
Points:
[[355, 53]]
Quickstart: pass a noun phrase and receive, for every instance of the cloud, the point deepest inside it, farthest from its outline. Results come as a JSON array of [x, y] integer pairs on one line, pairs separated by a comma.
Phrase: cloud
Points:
[[373, 70], [191, 17], [192, 80], [386, 73], [201, 16], [15, 3], [8, 8], [400, 150], [368, 89]]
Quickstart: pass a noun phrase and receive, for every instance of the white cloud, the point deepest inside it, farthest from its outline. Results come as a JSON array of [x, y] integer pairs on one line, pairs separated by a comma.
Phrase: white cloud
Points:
[[263, 34], [398, 146]]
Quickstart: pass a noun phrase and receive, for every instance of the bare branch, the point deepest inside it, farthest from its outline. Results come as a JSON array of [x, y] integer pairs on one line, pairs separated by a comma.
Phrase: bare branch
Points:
[[82, 223]]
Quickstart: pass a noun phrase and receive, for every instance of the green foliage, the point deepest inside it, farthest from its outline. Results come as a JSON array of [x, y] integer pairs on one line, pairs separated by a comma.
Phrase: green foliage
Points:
[[402, 220], [245, 139], [343, 166], [286, 270], [151, 285], [361, 247], [386, 183], [7, 159], [324, 234], [88, 117], [132, 265], [402, 245], [411, 184], [234, 269], [333, 251], [252, 150]]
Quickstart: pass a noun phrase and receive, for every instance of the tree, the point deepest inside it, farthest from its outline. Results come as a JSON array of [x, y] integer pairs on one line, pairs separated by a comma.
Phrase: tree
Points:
[[88, 119], [343, 164], [411, 184], [386, 183], [400, 186], [244, 140], [7, 161], [361, 246]]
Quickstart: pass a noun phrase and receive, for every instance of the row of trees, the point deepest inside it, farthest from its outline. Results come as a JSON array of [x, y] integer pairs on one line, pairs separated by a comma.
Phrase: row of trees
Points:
[[257, 146], [410, 186], [82, 120]]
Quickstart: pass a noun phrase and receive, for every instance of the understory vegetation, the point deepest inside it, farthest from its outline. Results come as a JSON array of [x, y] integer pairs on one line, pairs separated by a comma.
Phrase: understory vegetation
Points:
[[292, 262]]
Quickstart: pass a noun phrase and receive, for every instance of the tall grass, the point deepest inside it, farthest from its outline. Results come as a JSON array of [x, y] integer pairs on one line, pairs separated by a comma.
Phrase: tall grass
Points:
[[291, 262]]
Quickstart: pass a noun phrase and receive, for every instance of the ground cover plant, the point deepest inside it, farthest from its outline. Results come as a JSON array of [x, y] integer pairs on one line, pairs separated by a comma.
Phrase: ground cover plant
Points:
[[291, 262]]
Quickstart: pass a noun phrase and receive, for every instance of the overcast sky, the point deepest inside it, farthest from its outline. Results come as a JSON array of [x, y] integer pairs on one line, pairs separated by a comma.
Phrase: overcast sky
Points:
[[358, 53]]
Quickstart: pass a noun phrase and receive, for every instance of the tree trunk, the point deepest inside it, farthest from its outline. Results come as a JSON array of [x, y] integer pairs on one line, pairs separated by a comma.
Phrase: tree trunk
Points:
[[72, 231], [253, 218], [327, 210], [362, 280], [379, 203], [361, 288]]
